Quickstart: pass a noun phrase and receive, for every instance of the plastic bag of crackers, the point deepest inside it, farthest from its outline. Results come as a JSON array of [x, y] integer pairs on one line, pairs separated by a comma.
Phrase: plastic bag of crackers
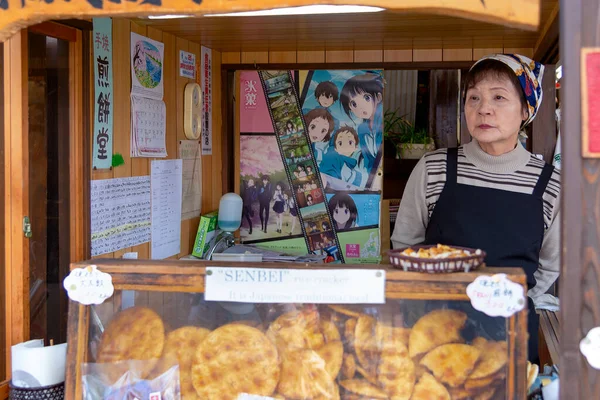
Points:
[[325, 352]]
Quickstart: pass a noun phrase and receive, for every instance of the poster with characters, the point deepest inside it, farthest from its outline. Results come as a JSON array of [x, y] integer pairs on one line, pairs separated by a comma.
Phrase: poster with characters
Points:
[[301, 193], [343, 112]]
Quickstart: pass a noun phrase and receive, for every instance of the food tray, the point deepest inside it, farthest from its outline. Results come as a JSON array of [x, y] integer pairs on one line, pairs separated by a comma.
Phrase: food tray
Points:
[[436, 265]]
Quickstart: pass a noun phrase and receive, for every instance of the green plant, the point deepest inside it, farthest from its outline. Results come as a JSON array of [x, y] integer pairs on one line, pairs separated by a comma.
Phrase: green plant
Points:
[[401, 132]]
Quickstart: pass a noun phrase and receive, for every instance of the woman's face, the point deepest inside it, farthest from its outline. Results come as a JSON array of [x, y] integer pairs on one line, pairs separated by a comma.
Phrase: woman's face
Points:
[[494, 114], [363, 105], [341, 215], [251, 182], [317, 129]]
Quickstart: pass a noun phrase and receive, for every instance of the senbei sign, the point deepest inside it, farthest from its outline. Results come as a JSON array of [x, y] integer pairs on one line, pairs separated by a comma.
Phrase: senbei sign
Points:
[[17, 14]]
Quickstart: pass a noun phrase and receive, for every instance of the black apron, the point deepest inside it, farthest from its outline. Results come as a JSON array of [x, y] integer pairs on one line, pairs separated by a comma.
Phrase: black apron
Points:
[[508, 226]]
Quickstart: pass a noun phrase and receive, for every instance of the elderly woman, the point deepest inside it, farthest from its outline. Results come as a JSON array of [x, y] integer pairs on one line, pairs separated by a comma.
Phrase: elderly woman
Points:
[[491, 193]]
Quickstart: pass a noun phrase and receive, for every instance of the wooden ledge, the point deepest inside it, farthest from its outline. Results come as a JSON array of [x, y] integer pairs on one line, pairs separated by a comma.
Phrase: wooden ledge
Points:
[[549, 338]]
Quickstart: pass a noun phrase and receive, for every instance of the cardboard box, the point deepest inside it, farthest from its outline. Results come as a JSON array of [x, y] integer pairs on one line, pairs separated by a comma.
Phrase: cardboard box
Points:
[[206, 231]]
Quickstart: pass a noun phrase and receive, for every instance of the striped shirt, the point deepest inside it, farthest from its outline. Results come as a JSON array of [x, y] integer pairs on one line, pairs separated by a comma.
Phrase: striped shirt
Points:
[[517, 171]]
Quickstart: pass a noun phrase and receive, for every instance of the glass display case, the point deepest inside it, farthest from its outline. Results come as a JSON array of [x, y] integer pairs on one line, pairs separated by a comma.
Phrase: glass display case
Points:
[[157, 337]]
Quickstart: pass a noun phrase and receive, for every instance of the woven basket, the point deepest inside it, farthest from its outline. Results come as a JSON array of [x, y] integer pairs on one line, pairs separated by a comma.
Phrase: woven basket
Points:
[[52, 392], [436, 265]]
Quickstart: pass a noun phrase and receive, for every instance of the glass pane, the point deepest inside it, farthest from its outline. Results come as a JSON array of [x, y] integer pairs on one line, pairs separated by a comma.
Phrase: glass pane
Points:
[[48, 185], [143, 342], [3, 325]]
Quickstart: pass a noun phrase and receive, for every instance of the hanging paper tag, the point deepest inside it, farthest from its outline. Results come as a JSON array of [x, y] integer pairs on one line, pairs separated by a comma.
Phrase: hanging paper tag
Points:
[[496, 295], [590, 347], [88, 285]]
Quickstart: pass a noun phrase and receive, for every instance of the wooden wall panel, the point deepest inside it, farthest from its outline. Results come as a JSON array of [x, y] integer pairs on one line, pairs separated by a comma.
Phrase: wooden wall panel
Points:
[[231, 57], [457, 55], [252, 57], [427, 55], [174, 87], [282, 57], [339, 56], [479, 53], [310, 56], [405, 55], [368, 56], [527, 52]]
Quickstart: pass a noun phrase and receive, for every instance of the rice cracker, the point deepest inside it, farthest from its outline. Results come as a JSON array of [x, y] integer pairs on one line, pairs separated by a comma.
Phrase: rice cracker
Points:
[[304, 376], [136, 333], [396, 373], [348, 367], [180, 349], [333, 355], [296, 330], [428, 388], [452, 363], [365, 343], [494, 356], [363, 388], [435, 329], [235, 359]]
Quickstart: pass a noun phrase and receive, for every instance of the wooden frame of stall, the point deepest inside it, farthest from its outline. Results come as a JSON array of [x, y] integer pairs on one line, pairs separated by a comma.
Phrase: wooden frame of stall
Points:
[[162, 277], [421, 53]]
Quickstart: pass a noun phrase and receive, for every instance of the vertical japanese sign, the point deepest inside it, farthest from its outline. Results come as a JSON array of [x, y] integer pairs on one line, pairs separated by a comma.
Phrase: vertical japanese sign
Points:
[[103, 126], [206, 56]]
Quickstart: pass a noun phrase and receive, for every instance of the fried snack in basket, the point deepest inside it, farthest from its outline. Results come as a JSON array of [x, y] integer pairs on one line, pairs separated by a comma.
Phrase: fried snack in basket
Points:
[[396, 372], [494, 356], [363, 388], [304, 376], [333, 355], [235, 359], [180, 349], [452, 363], [348, 367], [296, 330], [365, 343], [428, 388], [435, 329], [136, 333], [329, 331]]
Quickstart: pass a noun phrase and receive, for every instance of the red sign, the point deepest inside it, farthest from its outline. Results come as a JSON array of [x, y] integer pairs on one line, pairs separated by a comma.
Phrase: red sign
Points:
[[590, 101]]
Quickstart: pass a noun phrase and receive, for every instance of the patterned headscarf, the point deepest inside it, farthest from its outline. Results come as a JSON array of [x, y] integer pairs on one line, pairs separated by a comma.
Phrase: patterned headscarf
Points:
[[530, 75]]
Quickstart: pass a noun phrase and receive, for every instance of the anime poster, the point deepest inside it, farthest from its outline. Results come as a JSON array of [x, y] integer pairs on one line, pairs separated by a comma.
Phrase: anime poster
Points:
[[343, 112], [301, 193]]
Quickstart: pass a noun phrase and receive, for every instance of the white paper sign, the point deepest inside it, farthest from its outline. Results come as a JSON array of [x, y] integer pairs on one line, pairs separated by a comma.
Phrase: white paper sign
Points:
[[148, 127], [265, 285], [189, 152], [496, 295], [206, 63], [590, 347], [166, 208], [88, 285], [187, 64]]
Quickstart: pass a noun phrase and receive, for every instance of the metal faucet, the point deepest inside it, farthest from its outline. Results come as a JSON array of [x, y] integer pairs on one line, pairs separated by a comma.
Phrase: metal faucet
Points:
[[220, 243]]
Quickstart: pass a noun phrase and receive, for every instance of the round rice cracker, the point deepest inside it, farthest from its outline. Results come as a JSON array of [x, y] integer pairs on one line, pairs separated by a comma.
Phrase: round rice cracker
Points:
[[396, 375], [494, 356], [136, 333], [348, 367], [363, 388], [180, 349], [235, 359], [390, 338], [452, 363], [304, 376], [333, 355], [428, 388], [330, 331], [349, 330], [296, 330], [369, 377], [365, 343], [345, 310], [435, 329]]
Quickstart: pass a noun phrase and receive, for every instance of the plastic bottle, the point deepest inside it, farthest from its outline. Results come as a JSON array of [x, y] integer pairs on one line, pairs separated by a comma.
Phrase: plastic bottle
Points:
[[230, 212]]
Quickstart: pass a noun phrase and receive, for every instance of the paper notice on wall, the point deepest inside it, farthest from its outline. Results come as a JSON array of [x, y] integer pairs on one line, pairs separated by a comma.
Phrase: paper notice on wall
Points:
[[166, 177], [187, 64], [147, 58], [148, 127], [120, 213], [207, 109], [189, 153]]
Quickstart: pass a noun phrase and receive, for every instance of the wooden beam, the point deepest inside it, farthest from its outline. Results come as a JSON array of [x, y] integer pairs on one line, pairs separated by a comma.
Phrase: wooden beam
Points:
[[16, 189], [546, 47], [4, 390], [310, 56], [232, 57], [404, 55], [55, 30]]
